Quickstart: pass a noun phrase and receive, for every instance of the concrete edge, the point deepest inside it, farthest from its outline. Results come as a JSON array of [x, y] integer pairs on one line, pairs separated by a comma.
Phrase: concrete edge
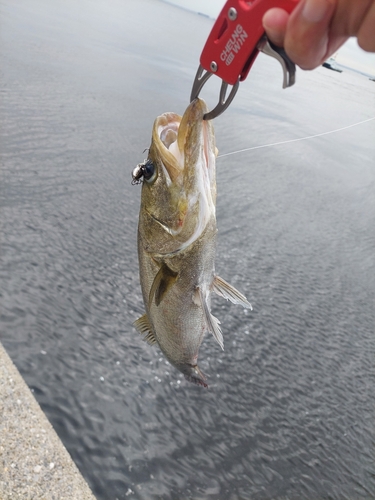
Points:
[[34, 464]]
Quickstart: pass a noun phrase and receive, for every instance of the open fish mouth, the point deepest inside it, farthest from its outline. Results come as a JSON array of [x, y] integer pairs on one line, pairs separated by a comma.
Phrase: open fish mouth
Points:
[[185, 141]]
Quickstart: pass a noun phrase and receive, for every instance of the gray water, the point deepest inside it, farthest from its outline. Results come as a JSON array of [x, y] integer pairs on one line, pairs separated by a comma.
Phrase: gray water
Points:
[[289, 412]]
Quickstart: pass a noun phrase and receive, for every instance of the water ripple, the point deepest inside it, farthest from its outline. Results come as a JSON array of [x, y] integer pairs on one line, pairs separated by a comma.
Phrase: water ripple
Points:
[[289, 409]]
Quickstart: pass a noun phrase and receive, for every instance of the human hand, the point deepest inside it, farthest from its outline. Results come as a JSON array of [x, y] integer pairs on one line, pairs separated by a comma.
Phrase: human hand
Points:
[[317, 28]]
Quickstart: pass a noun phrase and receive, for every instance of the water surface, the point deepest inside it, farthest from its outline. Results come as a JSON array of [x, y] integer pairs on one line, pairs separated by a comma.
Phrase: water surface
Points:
[[289, 413]]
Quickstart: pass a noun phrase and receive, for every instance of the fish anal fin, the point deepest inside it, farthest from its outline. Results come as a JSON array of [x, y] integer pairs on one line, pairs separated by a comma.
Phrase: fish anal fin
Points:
[[163, 280], [213, 324], [224, 289], [143, 327]]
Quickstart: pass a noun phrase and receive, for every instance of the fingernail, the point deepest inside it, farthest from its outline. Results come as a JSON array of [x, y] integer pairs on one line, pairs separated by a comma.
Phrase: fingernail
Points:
[[314, 10]]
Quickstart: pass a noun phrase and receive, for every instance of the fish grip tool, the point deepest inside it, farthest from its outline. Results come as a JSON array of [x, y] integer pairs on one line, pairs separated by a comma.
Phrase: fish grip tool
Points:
[[231, 48]]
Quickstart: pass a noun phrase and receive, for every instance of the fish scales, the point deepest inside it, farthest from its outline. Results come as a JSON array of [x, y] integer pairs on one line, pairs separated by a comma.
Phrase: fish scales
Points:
[[177, 239]]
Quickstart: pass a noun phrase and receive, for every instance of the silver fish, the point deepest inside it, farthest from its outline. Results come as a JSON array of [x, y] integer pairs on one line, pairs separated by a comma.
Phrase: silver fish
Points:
[[177, 239]]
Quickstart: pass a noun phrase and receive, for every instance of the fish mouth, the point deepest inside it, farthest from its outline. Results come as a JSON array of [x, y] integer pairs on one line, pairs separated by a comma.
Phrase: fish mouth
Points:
[[180, 140], [181, 200]]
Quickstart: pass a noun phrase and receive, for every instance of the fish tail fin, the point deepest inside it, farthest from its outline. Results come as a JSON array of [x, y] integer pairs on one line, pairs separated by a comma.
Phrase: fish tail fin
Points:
[[195, 375]]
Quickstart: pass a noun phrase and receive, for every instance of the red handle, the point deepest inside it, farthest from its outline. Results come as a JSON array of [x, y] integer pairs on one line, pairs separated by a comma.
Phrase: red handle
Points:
[[231, 47]]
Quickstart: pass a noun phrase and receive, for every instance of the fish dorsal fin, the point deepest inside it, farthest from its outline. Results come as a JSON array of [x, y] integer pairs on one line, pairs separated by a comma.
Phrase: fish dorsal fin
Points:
[[164, 279], [143, 326], [213, 324], [224, 289]]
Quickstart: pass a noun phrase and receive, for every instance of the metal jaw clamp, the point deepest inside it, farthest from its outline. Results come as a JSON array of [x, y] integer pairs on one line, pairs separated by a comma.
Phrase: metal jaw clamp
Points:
[[224, 101], [235, 40]]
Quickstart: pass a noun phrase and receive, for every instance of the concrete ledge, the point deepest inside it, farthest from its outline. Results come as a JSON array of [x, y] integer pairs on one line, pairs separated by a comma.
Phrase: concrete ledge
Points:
[[34, 463]]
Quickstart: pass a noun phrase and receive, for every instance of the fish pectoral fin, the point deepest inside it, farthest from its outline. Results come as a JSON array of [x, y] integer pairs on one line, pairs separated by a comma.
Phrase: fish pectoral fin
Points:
[[224, 289], [143, 327], [164, 279], [213, 324]]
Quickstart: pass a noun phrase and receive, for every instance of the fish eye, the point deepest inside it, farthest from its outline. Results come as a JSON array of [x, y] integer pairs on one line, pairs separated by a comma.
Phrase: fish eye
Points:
[[148, 171]]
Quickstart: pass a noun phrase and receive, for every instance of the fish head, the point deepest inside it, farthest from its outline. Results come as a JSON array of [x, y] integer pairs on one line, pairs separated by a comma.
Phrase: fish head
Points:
[[179, 188]]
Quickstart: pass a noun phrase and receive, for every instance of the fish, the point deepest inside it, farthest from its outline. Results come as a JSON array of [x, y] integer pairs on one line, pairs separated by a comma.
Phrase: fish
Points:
[[177, 239]]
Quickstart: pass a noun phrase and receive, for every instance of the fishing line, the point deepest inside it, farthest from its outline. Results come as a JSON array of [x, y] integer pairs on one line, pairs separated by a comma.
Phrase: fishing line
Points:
[[295, 140]]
